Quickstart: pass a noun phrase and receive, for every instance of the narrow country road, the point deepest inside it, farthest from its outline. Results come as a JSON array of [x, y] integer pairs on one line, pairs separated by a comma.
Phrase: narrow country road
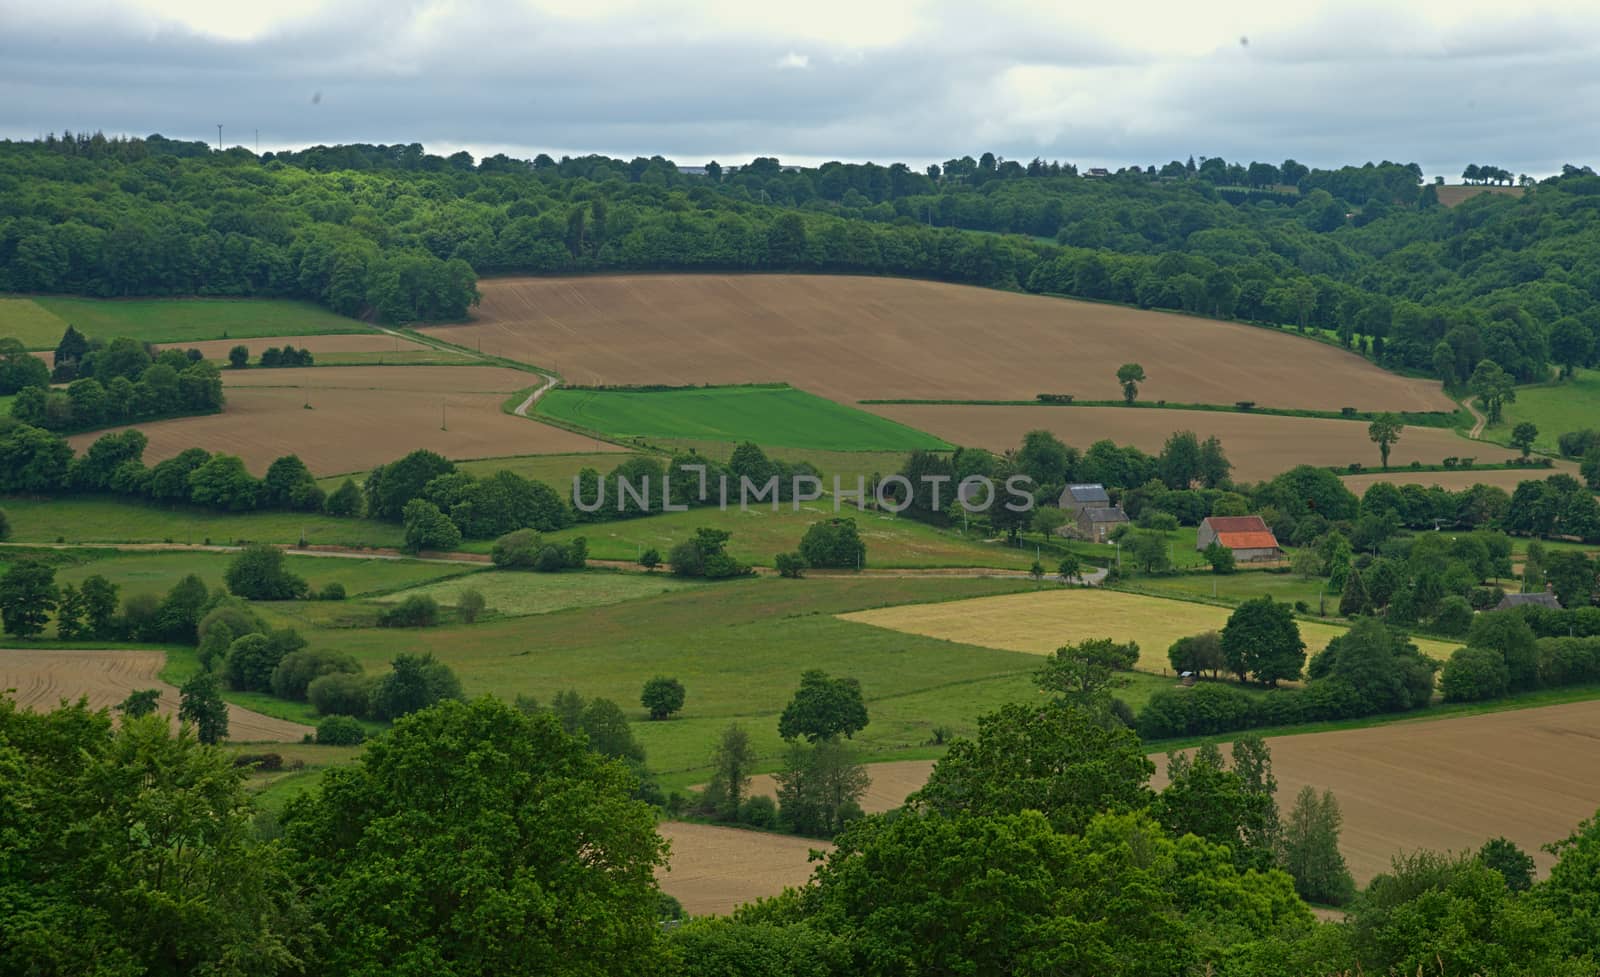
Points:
[[522, 409], [1478, 417]]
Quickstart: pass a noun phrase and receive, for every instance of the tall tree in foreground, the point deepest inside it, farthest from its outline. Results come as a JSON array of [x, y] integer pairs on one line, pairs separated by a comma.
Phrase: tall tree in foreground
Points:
[[1311, 849], [524, 855]]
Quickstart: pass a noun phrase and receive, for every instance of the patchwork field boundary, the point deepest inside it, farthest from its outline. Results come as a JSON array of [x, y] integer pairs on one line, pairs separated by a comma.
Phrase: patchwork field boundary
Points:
[[1435, 419]]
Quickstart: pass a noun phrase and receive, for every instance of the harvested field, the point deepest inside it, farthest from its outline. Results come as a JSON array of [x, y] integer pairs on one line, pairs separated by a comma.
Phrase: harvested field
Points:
[[1508, 478], [396, 380], [1042, 621], [855, 338], [1259, 445], [43, 678], [366, 342], [1454, 196], [716, 870], [1525, 774], [353, 430], [1451, 784]]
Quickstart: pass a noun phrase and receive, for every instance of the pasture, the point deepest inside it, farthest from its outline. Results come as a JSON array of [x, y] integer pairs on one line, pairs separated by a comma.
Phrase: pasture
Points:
[[341, 430], [1040, 622], [855, 338], [35, 326], [780, 417], [512, 594], [1555, 408], [759, 533], [188, 320], [43, 678], [155, 572], [86, 519], [1259, 445]]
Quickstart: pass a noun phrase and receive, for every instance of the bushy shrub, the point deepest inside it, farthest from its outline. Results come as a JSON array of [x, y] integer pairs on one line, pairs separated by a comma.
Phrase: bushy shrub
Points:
[[414, 682], [526, 549], [416, 611], [250, 662], [1475, 674], [833, 543], [298, 669], [332, 591], [790, 565], [259, 573], [759, 811], [1568, 661], [340, 731], [340, 693]]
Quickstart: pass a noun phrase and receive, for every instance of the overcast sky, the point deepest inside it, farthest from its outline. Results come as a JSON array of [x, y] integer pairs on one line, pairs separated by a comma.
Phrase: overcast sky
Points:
[[1103, 83]]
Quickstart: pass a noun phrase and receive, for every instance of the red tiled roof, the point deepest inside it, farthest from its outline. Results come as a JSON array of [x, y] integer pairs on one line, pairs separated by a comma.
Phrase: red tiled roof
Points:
[[1237, 524], [1248, 541]]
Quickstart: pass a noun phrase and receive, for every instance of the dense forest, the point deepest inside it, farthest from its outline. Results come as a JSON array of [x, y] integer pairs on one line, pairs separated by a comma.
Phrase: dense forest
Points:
[[398, 234]]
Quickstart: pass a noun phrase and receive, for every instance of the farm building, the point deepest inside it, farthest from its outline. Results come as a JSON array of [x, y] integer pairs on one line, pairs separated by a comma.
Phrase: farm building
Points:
[[1076, 498], [1247, 536], [1095, 523], [1545, 599]]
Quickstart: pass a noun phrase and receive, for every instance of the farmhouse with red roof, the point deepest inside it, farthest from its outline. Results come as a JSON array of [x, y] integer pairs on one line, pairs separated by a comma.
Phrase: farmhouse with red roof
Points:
[[1247, 536]]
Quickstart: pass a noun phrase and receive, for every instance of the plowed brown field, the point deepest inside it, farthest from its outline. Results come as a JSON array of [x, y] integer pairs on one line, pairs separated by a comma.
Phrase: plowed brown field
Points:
[[716, 870], [373, 342], [1447, 784], [398, 380], [353, 430], [1456, 481], [43, 678], [1259, 445], [853, 338]]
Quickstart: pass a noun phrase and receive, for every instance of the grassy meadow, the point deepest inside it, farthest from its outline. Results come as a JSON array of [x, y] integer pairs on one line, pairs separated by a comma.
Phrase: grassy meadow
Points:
[[770, 416], [26, 320], [79, 519], [182, 320], [1555, 408]]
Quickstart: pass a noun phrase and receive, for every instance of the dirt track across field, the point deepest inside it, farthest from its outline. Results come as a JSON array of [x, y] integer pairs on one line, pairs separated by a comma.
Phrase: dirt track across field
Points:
[[43, 678], [853, 338], [1259, 445]]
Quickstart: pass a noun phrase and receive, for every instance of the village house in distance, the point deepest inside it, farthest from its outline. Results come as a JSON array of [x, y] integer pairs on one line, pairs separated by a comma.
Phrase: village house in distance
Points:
[[1247, 536], [1090, 512]]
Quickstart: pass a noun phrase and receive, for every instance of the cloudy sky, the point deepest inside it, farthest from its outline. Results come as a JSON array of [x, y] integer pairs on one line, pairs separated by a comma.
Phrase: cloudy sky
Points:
[[1099, 83]]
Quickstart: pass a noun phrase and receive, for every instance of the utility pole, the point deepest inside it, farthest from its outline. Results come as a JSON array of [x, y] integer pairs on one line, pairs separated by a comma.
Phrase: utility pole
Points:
[[219, 137]]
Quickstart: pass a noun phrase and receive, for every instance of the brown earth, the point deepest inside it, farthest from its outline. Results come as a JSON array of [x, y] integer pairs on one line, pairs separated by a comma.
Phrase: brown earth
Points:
[[43, 678], [354, 430], [853, 338], [1259, 445], [373, 342], [1457, 481], [1456, 195], [1446, 784], [716, 870]]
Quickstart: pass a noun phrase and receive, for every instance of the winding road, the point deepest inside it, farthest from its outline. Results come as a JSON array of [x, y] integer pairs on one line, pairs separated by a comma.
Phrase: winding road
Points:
[[1477, 428]]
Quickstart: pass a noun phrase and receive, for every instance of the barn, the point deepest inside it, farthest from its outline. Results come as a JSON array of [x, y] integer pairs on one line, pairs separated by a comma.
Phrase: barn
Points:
[[1247, 536]]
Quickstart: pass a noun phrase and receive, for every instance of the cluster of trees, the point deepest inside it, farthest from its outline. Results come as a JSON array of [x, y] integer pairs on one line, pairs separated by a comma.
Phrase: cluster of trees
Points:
[[1037, 847], [1487, 173], [833, 544], [642, 486], [602, 726], [820, 784], [1503, 656], [110, 383], [402, 234], [272, 356]]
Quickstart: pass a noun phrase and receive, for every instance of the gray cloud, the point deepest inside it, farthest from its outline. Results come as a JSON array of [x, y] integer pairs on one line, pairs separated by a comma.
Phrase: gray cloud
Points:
[[1342, 85]]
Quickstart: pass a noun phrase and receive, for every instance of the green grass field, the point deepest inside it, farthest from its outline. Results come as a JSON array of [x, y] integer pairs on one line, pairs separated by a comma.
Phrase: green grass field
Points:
[[155, 572], [1555, 408], [514, 594], [759, 534], [30, 322], [189, 320], [5, 404], [769, 416], [105, 520]]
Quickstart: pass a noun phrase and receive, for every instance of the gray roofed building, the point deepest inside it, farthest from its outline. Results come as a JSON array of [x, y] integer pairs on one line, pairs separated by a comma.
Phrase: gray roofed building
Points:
[[1074, 498], [1536, 599], [1096, 522]]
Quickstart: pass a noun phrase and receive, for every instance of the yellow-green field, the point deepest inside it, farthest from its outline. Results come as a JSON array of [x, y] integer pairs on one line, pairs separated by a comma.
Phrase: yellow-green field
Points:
[[1042, 621], [511, 593], [36, 326]]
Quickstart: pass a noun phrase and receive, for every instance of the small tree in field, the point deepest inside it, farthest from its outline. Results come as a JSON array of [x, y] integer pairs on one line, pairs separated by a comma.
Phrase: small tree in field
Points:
[[790, 565], [1523, 436], [239, 357], [823, 708], [200, 702], [1385, 431], [730, 772], [662, 696], [650, 559], [1262, 639], [1070, 567], [470, 604], [1130, 375]]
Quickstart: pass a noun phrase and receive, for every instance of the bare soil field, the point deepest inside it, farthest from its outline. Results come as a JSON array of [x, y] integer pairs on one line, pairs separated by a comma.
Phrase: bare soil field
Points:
[[854, 338], [1457, 481], [1447, 784], [43, 678], [1039, 622], [372, 342], [715, 870], [397, 380], [1259, 445], [349, 430], [1452, 196]]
